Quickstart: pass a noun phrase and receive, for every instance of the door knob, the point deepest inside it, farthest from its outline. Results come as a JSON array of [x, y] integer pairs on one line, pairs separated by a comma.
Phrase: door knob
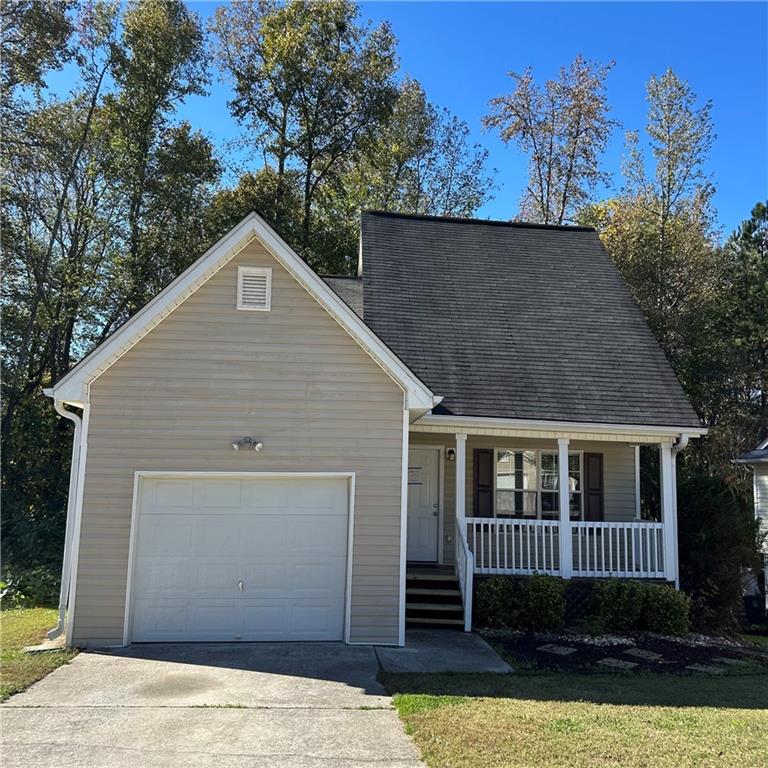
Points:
[[434, 513], [240, 585]]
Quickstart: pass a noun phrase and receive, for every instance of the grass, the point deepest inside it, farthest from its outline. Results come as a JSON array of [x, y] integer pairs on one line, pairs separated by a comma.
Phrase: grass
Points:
[[554, 720], [761, 641], [18, 628]]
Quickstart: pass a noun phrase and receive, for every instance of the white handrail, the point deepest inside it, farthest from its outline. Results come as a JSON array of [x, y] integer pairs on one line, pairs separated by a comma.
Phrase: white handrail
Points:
[[514, 545], [508, 545], [465, 567]]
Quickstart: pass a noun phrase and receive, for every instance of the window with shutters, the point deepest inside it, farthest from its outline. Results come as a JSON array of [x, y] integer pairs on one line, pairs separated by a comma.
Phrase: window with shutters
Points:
[[527, 484], [254, 288]]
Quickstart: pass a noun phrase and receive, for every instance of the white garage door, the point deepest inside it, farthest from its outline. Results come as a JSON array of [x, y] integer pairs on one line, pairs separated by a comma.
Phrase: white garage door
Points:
[[244, 558]]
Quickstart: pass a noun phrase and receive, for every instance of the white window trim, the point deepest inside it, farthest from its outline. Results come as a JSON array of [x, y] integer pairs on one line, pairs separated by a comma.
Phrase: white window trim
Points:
[[241, 273], [538, 490]]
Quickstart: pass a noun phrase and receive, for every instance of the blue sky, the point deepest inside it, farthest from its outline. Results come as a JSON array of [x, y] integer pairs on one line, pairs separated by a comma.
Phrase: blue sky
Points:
[[461, 53]]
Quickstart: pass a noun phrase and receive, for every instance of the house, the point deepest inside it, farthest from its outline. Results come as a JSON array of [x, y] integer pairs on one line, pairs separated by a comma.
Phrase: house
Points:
[[758, 460], [263, 454]]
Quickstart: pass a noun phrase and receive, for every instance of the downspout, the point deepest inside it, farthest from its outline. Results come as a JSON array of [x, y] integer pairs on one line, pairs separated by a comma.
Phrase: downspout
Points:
[[67, 559], [677, 447]]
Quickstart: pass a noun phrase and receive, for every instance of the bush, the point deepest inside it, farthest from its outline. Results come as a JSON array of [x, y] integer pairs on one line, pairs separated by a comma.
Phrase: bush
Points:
[[31, 588], [493, 602], [617, 606], [666, 611], [535, 602], [625, 606], [719, 539]]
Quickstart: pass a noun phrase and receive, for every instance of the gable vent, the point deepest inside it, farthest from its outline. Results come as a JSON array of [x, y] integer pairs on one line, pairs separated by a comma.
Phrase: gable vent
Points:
[[254, 288]]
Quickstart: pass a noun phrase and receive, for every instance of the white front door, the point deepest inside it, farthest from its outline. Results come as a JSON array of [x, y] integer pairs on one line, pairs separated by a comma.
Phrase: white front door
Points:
[[239, 558], [423, 504]]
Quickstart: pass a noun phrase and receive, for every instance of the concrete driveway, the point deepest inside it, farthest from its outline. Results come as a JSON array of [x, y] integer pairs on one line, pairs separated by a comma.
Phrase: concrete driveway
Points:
[[308, 705]]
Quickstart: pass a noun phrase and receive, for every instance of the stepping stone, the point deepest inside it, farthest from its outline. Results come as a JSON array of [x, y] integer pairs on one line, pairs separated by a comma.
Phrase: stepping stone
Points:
[[706, 668], [617, 663], [639, 653], [558, 650]]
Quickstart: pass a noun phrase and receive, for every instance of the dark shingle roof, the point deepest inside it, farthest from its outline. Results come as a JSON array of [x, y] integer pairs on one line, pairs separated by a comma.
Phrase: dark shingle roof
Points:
[[757, 456], [349, 290], [515, 321]]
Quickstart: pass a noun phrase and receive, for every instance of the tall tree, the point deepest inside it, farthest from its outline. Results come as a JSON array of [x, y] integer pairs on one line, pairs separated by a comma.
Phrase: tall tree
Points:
[[316, 84], [161, 61], [71, 168], [422, 161], [564, 128]]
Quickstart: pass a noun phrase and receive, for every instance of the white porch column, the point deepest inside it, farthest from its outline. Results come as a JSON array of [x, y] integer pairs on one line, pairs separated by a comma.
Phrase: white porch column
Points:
[[669, 511], [461, 475], [563, 486]]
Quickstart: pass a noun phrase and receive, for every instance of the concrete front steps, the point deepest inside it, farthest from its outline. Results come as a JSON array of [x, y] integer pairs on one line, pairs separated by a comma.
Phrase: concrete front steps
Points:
[[432, 597]]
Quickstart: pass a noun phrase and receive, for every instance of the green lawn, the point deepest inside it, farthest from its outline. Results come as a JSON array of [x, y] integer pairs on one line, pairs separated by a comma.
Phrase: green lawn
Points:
[[554, 720], [18, 628], [761, 641]]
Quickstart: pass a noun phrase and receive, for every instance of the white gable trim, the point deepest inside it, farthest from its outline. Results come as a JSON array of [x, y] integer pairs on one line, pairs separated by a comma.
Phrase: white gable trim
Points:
[[73, 388]]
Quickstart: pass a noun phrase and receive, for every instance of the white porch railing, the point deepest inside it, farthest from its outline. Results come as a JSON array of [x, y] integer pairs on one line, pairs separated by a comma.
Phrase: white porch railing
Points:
[[598, 549], [510, 545], [626, 550]]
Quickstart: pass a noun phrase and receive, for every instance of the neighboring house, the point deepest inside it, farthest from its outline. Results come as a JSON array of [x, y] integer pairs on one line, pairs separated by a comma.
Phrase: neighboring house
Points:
[[264, 453], [758, 459]]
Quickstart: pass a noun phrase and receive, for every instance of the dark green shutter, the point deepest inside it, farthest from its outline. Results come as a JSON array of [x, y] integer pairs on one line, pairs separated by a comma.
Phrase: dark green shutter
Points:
[[483, 477], [593, 487]]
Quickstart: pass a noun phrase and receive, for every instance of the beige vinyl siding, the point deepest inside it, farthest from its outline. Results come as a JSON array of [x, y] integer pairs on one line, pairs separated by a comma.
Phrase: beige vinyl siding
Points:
[[208, 374], [618, 475], [761, 496]]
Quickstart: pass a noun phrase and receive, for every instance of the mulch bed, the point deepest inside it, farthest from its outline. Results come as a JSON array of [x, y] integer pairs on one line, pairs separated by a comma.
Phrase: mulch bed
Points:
[[677, 653]]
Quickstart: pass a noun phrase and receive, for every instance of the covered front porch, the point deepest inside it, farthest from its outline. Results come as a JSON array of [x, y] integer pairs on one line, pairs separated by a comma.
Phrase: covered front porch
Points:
[[520, 500]]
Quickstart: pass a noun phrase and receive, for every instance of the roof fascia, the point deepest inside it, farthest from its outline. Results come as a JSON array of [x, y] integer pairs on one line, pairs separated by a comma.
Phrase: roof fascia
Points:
[[465, 423]]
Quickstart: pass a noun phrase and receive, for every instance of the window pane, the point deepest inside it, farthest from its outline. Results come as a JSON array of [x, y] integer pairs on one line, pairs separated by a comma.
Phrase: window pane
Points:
[[575, 505], [574, 472], [549, 503], [516, 483], [548, 472]]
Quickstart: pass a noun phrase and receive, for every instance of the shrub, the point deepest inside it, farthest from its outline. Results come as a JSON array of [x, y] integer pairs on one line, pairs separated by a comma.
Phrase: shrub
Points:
[[622, 606], [534, 602], [493, 602], [719, 539], [31, 588], [666, 611], [617, 606], [540, 603]]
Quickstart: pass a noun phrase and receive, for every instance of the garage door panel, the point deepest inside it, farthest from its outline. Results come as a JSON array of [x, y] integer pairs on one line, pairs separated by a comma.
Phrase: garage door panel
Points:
[[284, 539], [212, 619], [218, 494], [311, 539], [159, 619], [213, 579], [320, 578], [317, 621], [214, 536], [163, 494], [158, 577], [164, 535], [265, 620]]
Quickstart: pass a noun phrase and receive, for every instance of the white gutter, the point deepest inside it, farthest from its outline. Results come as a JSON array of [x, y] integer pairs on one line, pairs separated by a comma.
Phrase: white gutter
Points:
[[468, 422], [67, 559]]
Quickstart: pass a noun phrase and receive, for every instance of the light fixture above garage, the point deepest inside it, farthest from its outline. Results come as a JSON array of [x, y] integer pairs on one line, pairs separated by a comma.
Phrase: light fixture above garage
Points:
[[247, 442]]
